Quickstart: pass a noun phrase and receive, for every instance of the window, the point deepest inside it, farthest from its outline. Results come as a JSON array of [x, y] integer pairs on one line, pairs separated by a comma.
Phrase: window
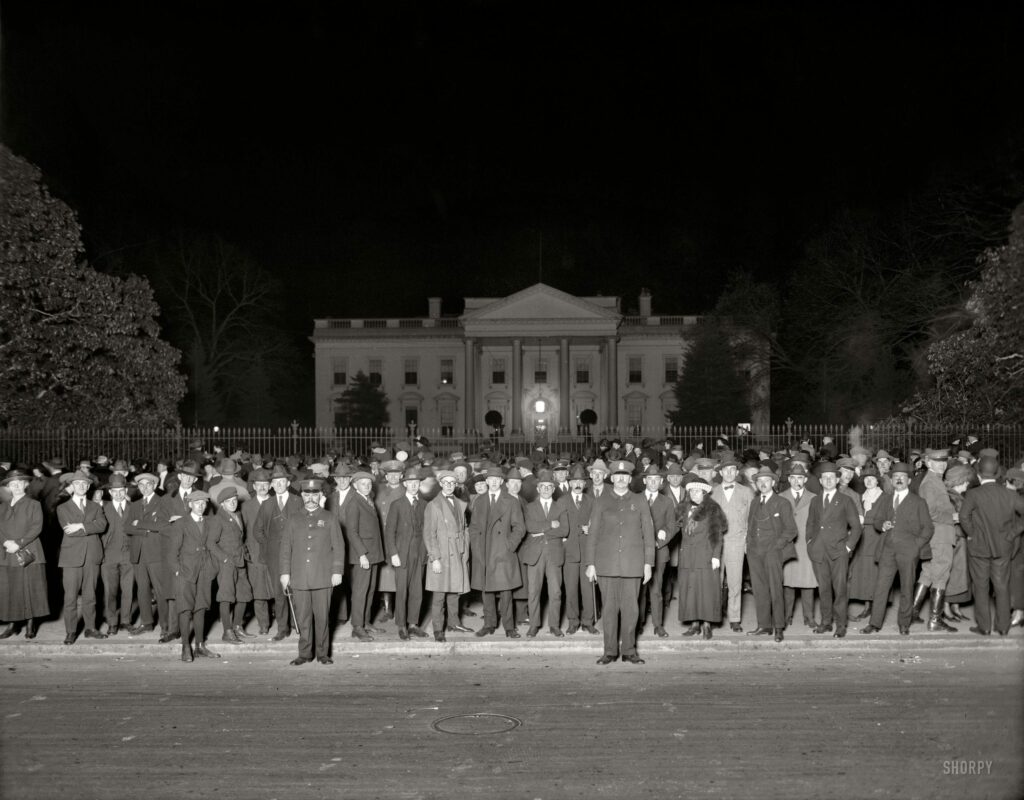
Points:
[[540, 372], [582, 370], [446, 416], [671, 369], [636, 369], [376, 368], [498, 371], [412, 416], [340, 371], [448, 371], [412, 372], [635, 415]]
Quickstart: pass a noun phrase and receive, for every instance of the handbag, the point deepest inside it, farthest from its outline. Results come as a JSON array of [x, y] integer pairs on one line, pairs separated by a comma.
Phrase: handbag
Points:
[[24, 557]]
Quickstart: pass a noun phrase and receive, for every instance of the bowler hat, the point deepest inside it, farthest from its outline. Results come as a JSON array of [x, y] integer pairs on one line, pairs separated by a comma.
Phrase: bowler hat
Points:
[[117, 481], [545, 476], [828, 466], [902, 466]]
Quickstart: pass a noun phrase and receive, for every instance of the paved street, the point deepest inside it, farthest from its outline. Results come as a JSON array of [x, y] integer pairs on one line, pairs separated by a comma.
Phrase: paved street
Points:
[[879, 716]]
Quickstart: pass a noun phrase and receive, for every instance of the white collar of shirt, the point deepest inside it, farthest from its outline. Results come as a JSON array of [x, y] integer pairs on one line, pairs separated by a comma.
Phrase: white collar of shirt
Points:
[[901, 495]]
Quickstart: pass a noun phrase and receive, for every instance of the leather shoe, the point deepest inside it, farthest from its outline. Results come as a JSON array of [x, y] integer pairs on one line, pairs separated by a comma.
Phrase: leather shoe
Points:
[[92, 633], [606, 660], [141, 629], [403, 634], [839, 634], [70, 638], [186, 653], [513, 634], [974, 629], [240, 632], [205, 652], [823, 628], [361, 634], [325, 660], [30, 629], [9, 631], [298, 662], [460, 629], [759, 632], [904, 631], [809, 623], [556, 632], [693, 630], [573, 628], [263, 632], [661, 631], [124, 626], [735, 627], [1017, 618], [634, 659], [169, 637], [532, 632], [417, 631], [439, 636], [870, 629], [778, 635], [113, 629], [590, 629], [230, 637], [281, 635], [372, 629], [485, 631]]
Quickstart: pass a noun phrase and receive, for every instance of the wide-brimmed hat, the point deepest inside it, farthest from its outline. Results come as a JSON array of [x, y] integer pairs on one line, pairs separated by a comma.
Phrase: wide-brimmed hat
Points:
[[673, 468], [280, 471], [227, 467], [190, 467], [902, 466], [79, 476], [883, 454], [494, 472], [798, 468], [259, 474], [16, 475], [765, 472], [545, 476], [600, 466], [652, 471], [117, 481]]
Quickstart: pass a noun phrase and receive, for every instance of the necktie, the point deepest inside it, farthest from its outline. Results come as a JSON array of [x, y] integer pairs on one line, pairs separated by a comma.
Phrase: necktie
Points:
[[544, 505], [451, 501], [494, 499], [81, 504], [896, 501], [828, 498], [796, 496], [280, 501], [728, 486], [650, 498], [576, 499], [120, 509], [764, 499]]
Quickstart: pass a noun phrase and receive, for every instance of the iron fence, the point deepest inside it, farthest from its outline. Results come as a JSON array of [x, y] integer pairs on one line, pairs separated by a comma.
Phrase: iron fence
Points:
[[32, 446]]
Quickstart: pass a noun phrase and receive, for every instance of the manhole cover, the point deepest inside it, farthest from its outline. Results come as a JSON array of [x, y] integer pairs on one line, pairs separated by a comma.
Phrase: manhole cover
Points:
[[476, 724]]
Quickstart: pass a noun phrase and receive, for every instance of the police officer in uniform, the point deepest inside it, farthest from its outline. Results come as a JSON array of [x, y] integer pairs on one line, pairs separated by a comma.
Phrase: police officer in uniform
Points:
[[312, 562]]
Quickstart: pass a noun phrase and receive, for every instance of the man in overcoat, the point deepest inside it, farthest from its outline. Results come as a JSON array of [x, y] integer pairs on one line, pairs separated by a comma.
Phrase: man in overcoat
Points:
[[619, 553], [194, 558], [312, 563], [271, 521], [444, 535]]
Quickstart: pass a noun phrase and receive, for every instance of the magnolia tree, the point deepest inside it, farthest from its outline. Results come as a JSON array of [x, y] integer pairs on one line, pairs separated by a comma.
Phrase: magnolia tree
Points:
[[77, 347]]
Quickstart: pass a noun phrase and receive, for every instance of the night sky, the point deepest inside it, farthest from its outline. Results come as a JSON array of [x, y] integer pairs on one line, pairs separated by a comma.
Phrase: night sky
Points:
[[372, 154]]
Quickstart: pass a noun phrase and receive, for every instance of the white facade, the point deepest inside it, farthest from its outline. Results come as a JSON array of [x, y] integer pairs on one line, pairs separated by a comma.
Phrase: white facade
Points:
[[539, 357]]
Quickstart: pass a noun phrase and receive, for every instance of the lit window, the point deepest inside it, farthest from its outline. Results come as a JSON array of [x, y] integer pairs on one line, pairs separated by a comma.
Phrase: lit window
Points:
[[448, 371]]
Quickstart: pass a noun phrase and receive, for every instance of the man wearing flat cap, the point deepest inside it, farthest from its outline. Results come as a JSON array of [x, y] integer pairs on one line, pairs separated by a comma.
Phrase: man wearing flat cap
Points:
[[233, 588], [619, 553], [771, 533], [495, 530], [312, 563], [404, 548], [81, 553]]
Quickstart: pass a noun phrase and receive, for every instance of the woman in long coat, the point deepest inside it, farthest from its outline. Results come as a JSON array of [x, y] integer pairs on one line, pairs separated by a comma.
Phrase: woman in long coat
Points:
[[444, 534], [702, 526], [863, 568], [22, 589], [958, 588]]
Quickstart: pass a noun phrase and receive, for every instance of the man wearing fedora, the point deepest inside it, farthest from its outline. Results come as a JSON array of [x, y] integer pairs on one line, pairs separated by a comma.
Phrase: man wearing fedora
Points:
[[579, 593], [444, 536], [495, 530], [147, 522], [771, 533], [403, 543], [936, 570], [361, 527], [312, 563], [734, 499], [906, 528], [116, 569], [259, 574], [619, 553], [81, 553], [543, 551], [270, 525], [663, 514]]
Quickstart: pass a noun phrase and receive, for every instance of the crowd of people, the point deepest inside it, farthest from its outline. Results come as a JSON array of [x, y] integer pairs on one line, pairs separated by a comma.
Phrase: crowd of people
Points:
[[613, 535]]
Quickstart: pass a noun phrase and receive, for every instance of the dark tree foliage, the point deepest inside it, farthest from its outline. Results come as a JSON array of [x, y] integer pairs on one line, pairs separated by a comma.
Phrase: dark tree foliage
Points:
[[363, 405], [711, 389]]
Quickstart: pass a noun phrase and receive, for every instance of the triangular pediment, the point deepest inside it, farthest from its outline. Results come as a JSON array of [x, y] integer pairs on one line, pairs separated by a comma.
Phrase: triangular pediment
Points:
[[537, 302]]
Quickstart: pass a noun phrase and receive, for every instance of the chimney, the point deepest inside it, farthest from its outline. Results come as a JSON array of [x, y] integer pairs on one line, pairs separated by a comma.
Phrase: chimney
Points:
[[645, 303], [434, 307]]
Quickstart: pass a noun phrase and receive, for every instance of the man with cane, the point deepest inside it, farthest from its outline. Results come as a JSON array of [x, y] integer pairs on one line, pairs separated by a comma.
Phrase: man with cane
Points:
[[312, 562]]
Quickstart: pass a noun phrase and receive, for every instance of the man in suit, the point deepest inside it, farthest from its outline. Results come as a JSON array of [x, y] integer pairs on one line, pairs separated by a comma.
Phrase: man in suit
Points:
[[194, 558], [833, 531], [233, 588], [935, 572], [271, 522], [543, 551], [81, 553], [619, 552], [663, 514], [384, 492], [992, 516], [361, 527], [578, 507], [147, 522], [403, 545], [560, 472], [116, 569], [771, 531], [312, 563], [495, 531], [907, 528], [734, 499], [259, 574]]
